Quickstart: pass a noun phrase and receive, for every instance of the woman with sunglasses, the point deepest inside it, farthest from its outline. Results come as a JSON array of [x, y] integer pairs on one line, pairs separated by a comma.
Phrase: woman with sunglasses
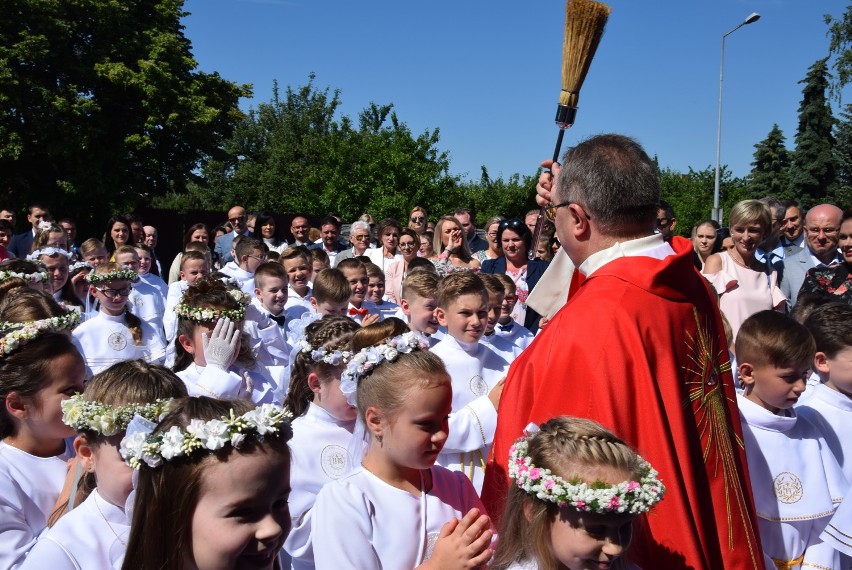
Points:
[[493, 250], [515, 239], [395, 274], [417, 220]]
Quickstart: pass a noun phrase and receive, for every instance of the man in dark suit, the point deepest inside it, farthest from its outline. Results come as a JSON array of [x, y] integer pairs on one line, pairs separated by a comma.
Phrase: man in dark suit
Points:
[[474, 242], [822, 227], [237, 217], [21, 243]]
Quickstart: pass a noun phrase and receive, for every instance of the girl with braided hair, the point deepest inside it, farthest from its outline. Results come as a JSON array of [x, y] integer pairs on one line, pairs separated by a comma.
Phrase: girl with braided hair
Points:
[[576, 492], [323, 424]]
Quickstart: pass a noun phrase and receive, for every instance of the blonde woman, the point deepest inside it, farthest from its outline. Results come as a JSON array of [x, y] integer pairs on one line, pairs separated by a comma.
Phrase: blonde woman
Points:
[[451, 246]]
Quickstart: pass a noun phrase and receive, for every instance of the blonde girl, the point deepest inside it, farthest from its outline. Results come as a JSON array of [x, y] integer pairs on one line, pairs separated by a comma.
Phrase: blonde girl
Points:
[[323, 424], [576, 491], [451, 246], [214, 478], [404, 398], [39, 369], [210, 355], [114, 333], [50, 235], [94, 534]]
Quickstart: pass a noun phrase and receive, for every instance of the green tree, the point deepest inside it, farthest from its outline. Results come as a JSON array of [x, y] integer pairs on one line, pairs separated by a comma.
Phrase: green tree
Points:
[[490, 197], [770, 169], [813, 170], [840, 47], [842, 195], [691, 194], [101, 104]]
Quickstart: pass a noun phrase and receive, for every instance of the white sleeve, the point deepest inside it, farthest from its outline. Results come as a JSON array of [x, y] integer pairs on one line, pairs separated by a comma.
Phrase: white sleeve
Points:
[[472, 427], [217, 383], [48, 553], [298, 544], [169, 316], [346, 514], [16, 536]]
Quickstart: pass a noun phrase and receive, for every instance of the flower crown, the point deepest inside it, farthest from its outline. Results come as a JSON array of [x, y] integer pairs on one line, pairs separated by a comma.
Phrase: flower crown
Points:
[[35, 277], [209, 315], [22, 333], [322, 354], [50, 252], [44, 225], [80, 265], [368, 358], [85, 415], [633, 497], [143, 448], [114, 275]]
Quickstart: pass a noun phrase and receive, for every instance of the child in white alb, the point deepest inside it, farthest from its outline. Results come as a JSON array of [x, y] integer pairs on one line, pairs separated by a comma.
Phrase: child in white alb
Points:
[[265, 321], [194, 265], [506, 326], [297, 264], [796, 480], [476, 370], [322, 428], [145, 300], [360, 310], [399, 509], [376, 292], [94, 533], [496, 298], [250, 253]]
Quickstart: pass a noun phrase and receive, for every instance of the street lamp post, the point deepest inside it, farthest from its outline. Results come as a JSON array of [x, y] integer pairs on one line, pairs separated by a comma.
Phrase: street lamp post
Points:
[[716, 214]]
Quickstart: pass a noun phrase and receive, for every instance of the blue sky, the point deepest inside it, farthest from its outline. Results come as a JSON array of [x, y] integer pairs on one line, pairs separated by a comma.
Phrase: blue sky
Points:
[[488, 74]]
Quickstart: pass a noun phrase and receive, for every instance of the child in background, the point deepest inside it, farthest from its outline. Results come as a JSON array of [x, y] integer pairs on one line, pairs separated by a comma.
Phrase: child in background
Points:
[[330, 296], [376, 291], [830, 405], [476, 370], [496, 299], [265, 316], [418, 304], [223, 503], [145, 261], [362, 312], [322, 428], [577, 512], [94, 252], [210, 356], [297, 264], [518, 334], [94, 533], [145, 300], [114, 333], [399, 509], [249, 253], [194, 266], [56, 260], [795, 478], [39, 369], [319, 262]]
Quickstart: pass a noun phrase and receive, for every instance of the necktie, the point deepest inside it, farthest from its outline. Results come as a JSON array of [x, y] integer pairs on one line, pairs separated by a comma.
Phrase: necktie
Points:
[[359, 312]]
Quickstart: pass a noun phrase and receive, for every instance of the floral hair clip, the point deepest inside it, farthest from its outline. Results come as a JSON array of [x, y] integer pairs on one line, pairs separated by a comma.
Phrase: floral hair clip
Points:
[[45, 225], [264, 421], [85, 415], [35, 277], [114, 275], [322, 354], [22, 333], [633, 497], [50, 252], [368, 358]]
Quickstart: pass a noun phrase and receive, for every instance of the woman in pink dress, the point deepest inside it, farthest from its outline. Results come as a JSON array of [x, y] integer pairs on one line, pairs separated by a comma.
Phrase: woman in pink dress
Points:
[[744, 284]]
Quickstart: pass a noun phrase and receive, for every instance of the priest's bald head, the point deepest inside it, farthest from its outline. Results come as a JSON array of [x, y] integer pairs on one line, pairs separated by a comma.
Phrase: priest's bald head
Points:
[[607, 191]]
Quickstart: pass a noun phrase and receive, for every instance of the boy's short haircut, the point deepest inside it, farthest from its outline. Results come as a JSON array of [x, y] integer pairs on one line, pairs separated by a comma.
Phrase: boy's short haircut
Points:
[[266, 270], [198, 246], [351, 263], [294, 253], [142, 247], [126, 249], [318, 254], [90, 245], [273, 256], [246, 246], [192, 255], [331, 286], [831, 326], [421, 284], [492, 284], [374, 270], [509, 286], [361, 258], [769, 337], [455, 285], [805, 305], [422, 263]]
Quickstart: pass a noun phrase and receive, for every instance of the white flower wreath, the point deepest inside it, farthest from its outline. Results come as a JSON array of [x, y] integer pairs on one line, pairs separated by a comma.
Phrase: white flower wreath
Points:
[[322, 354], [115, 275], [21, 333], [267, 420], [85, 415], [50, 252], [35, 277], [633, 497], [368, 358]]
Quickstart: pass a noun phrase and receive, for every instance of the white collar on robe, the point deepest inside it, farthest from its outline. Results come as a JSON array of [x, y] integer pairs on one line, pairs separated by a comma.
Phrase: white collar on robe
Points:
[[467, 347], [322, 415], [833, 398], [759, 417], [650, 246], [108, 317]]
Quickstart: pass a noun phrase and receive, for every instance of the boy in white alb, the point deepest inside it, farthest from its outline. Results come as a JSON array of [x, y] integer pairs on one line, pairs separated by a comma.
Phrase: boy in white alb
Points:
[[250, 253], [145, 300], [506, 327], [796, 481], [376, 292], [476, 371], [265, 316], [499, 344], [145, 261], [296, 262], [418, 303]]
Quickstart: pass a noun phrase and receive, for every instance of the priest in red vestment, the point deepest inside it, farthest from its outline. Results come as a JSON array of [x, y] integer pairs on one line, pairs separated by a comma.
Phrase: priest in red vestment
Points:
[[638, 347]]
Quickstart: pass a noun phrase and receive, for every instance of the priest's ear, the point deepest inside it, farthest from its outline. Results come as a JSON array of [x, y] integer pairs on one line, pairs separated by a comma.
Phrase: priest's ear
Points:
[[746, 374]]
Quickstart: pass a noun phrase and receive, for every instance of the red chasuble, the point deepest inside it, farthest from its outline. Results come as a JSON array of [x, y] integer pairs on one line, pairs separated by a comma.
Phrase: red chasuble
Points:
[[640, 348]]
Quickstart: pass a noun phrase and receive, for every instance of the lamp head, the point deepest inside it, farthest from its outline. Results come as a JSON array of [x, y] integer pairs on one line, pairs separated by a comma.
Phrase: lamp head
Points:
[[752, 18]]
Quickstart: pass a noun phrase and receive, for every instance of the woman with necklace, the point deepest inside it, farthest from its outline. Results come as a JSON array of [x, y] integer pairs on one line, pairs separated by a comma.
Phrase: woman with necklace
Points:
[[744, 284]]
